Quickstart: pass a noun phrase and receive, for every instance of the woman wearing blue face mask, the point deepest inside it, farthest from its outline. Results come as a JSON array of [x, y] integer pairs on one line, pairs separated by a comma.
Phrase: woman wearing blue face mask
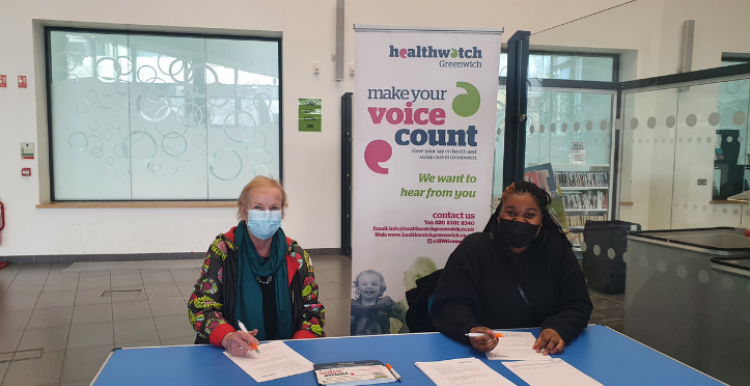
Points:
[[519, 272], [256, 275]]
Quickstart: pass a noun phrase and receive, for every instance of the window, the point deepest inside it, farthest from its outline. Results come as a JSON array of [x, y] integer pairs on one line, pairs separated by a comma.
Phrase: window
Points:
[[161, 117], [590, 67]]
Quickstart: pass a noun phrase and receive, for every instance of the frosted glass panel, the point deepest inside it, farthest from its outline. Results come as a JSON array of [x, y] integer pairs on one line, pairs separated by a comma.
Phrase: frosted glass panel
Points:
[[146, 117]]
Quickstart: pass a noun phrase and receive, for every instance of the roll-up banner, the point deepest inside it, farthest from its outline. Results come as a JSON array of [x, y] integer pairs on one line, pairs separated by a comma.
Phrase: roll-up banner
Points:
[[424, 129]]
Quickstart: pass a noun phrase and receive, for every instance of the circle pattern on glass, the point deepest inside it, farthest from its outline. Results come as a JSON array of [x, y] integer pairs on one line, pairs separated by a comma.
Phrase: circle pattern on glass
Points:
[[714, 119], [738, 118], [651, 123], [597, 250], [671, 121], [681, 271], [611, 253], [584, 247], [576, 127], [634, 123], [661, 267], [703, 277], [691, 120], [589, 126]]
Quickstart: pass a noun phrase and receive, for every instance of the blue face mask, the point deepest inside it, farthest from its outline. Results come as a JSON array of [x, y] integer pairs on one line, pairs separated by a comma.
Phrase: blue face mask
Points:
[[263, 224]]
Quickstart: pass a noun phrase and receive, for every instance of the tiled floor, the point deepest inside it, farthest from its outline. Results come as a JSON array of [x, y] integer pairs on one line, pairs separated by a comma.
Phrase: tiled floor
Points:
[[64, 312]]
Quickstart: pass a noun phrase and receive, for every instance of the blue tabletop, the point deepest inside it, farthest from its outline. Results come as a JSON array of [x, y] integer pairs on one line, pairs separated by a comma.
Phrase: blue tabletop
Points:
[[605, 355]]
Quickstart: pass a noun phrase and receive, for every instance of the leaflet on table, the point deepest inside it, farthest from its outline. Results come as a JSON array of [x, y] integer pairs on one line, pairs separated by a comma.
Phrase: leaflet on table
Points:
[[465, 371], [516, 346], [353, 373], [554, 371], [276, 360]]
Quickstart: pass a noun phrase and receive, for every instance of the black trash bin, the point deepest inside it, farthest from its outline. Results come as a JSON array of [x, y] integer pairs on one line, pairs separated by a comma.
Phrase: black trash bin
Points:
[[604, 243]]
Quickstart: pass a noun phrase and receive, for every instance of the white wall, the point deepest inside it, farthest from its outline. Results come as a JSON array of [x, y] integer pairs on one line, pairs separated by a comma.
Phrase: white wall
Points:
[[311, 160]]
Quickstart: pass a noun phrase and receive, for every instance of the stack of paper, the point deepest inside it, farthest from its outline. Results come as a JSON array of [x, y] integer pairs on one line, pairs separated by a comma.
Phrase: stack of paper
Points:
[[466, 371], [552, 372], [353, 373], [516, 346], [276, 360]]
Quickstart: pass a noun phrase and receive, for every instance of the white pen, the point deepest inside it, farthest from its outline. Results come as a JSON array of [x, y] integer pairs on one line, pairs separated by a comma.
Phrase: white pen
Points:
[[478, 334], [244, 329]]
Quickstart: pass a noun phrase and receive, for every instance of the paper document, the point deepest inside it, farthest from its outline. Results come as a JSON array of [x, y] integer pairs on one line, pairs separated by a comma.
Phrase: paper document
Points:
[[553, 372], [516, 346], [466, 371], [276, 360], [353, 373]]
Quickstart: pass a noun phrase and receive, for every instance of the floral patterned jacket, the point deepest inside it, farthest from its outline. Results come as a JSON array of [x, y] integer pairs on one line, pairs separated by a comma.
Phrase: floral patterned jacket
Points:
[[211, 307]]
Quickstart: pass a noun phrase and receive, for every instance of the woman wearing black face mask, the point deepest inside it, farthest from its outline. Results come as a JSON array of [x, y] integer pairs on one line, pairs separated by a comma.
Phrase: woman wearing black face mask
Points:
[[519, 272]]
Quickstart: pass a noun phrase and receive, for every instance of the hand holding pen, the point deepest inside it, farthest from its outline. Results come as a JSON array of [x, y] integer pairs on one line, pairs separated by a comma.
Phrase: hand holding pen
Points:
[[238, 343], [483, 339]]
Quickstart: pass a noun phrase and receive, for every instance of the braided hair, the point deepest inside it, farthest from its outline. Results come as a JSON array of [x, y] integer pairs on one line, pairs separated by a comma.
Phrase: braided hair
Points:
[[542, 199]]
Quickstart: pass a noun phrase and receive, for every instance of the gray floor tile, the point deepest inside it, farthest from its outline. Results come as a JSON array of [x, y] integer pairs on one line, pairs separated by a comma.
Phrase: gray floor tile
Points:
[[50, 339], [343, 277], [168, 307], [164, 293], [184, 275], [334, 290], [31, 272], [15, 320], [92, 313], [157, 277], [117, 272], [3, 369], [94, 273], [90, 335], [60, 271], [61, 284], [21, 287], [9, 341], [180, 341], [76, 383], [50, 317], [135, 330], [36, 372], [142, 343], [321, 278], [18, 302], [91, 296], [128, 296], [131, 310], [127, 280], [94, 282], [174, 326], [56, 299], [82, 364]]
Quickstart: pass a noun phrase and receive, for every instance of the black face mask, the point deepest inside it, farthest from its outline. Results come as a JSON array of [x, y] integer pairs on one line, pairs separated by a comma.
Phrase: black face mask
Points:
[[517, 234]]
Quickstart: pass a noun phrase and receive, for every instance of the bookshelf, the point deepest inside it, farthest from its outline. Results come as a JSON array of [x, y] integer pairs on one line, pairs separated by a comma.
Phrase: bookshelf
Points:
[[586, 195]]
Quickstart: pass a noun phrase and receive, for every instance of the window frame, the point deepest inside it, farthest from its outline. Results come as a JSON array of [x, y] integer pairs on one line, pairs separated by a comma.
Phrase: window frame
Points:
[[48, 72]]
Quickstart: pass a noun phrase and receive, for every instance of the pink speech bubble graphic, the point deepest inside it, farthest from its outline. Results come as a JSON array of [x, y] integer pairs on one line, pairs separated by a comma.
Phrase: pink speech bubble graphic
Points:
[[376, 152]]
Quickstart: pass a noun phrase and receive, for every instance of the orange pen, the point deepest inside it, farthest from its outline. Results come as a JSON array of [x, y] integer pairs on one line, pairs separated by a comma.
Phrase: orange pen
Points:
[[244, 329]]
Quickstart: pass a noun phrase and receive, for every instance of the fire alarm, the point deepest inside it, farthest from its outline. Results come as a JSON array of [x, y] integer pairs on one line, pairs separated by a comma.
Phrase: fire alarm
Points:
[[26, 172]]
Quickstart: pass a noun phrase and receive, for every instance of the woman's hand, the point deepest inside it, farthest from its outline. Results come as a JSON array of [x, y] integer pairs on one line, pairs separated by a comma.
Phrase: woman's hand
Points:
[[549, 342], [483, 343], [238, 342]]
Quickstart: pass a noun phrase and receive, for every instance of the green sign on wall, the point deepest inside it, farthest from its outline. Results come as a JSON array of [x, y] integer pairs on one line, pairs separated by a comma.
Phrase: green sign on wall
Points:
[[310, 114]]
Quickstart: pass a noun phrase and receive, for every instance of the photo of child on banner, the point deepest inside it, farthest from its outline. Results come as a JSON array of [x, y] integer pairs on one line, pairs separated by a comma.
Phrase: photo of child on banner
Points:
[[373, 312]]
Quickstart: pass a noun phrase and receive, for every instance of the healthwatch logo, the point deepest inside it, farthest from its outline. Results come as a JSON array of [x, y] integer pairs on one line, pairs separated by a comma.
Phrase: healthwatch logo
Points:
[[464, 105], [430, 52]]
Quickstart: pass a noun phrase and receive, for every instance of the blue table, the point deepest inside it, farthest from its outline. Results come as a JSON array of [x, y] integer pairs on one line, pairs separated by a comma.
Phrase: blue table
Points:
[[605, 355]]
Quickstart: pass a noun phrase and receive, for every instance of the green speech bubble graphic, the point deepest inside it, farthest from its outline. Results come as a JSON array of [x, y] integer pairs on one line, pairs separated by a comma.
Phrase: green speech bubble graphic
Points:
[[466, 105]]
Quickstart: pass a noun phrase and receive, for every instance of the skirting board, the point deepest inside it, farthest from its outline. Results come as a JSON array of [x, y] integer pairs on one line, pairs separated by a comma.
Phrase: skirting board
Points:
[[67, 259]]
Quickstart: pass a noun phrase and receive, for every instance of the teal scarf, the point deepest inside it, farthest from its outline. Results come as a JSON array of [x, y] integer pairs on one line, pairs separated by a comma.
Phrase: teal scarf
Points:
[[249, 305]]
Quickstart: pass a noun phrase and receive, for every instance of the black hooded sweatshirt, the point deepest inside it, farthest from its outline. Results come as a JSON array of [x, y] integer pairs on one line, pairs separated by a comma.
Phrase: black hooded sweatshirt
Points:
[[485, 284]]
